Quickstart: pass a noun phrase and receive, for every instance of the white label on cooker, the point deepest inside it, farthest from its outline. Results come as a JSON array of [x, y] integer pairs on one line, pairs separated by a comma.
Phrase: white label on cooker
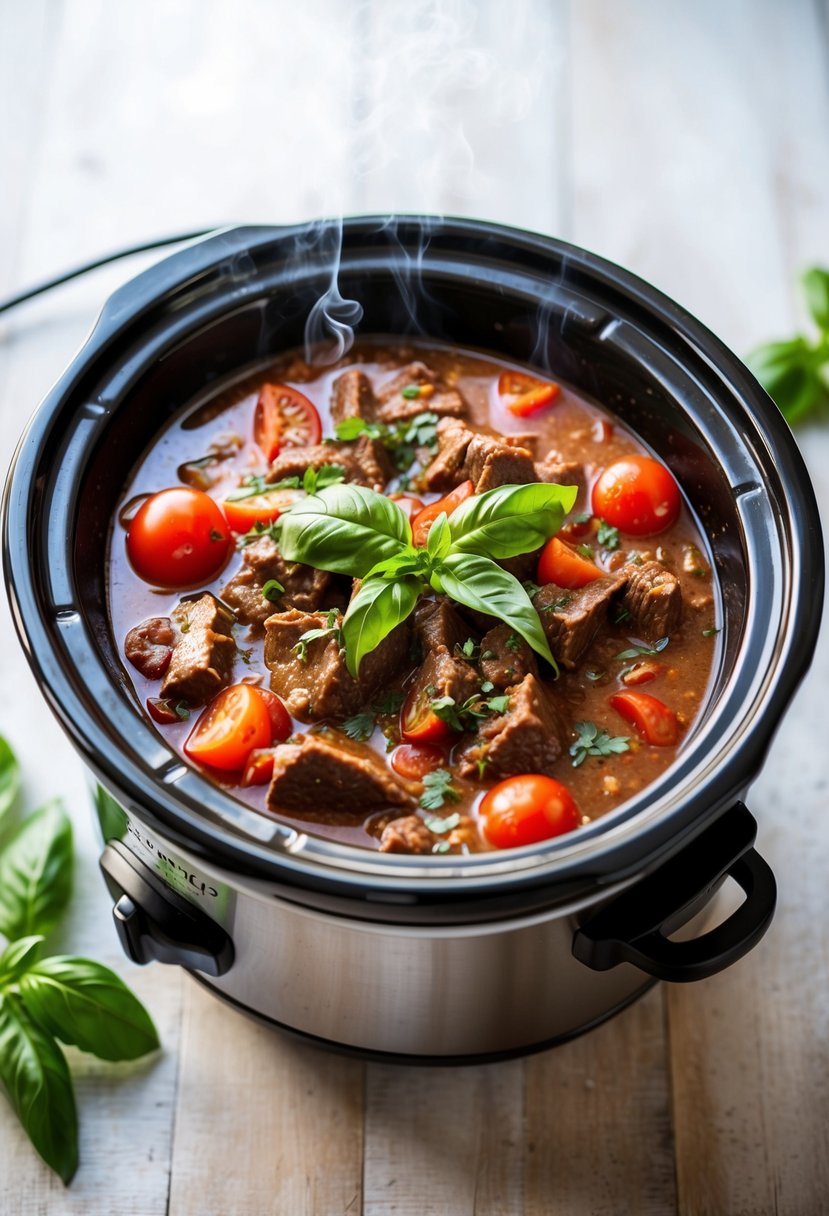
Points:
[[179, 874]]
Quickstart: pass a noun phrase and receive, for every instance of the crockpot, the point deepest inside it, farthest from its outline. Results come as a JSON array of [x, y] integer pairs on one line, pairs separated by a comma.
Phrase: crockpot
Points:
[[426, 958]]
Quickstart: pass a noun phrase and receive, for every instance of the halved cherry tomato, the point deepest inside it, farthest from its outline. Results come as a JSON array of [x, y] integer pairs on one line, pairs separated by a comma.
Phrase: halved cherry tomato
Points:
[[525, 394], [655, 722], [526, 809], [415, 760], [178, 538], [284, 418], [418, 721], [643, 673], [243, 513], [259, 768], [412, 506], [424, 519], [235, 723], [561, 564], [637, 495], [279, 716]]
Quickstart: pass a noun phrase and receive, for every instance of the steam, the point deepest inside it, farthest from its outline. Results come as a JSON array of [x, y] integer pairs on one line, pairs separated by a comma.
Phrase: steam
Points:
[[329, 329]]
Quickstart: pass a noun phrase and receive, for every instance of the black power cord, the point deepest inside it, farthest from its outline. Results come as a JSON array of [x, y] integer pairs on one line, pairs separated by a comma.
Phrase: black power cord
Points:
[[48, 284]]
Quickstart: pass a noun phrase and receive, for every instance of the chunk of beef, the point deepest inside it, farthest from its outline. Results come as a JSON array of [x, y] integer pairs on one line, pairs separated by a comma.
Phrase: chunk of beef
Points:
[[571, 618], [373, 462], [438, 398], [556, 471], [412, 835], [442, 674], [332, 771], [437, 626], [305, 587], [292, 462], [149, 646], [489, 462], [522, 566], [653, 598], [506, 658], [312, 678], [202, 659], [445, 470], [353, 397], [523, 439], [529, 738]]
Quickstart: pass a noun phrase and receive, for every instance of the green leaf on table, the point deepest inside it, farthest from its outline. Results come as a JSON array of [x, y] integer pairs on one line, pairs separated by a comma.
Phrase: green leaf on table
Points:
[[345, 529], [84, 1003], [815, 284], [510, 520], [9, 777], [36, 873], [375, 610], [36, 1078], [17, 958]]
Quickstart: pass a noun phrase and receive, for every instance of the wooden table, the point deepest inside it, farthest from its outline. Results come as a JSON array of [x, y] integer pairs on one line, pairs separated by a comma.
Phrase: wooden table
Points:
[[685, 141]]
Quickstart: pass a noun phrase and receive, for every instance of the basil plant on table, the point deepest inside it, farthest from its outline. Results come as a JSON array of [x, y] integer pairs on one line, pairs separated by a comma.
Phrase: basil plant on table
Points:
[[348, 529]]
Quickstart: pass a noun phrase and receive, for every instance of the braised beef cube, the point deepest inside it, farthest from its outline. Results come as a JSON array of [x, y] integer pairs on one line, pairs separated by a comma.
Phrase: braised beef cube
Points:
[[334, 772], [442, 674], [505, 657], [530, 737], [446, 469], [523, 439], [556, 471], [489, 463], [149, 646], [202, 660], [411, 834], [305, 587], [311, 676], [653, 598], [438, 626], [353, 397], [571, 619], [372, 460], [292, 462], [437, 398], [522, 566]]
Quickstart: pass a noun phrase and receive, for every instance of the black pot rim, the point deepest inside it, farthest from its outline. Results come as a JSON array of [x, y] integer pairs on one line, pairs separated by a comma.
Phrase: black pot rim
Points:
[[217, 274]]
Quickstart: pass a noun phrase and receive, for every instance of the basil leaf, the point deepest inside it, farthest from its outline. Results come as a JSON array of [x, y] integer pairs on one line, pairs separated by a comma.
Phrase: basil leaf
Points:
[[84, 1003], [36, 1078], [345, 529], [510, 520], [376, 609], [478, 583], [815, 283], [9, 777], [439, 538], [17, 958], [36, 873], [790, 374]]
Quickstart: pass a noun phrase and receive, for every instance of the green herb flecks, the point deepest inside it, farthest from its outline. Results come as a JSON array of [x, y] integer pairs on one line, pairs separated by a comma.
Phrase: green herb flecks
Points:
[[467, 714], [712, 632], [438, 790], [401, 439], [607, 536], [637, 652], [360, 726], [329, 629], [272, 590], [591, 741], [795, 372]]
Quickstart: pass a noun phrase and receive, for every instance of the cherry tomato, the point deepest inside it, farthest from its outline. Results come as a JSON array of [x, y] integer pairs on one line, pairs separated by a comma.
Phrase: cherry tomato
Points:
[[643, 673], [284, 418], [525, 394], [637, 495], [424, 519], [561, 564], [415, 760], [655, 722], [178, 538], [235, 723], [163, 711], [412, 506], [243, 513], [259, 768], [418, 721], [602, 431], [280, 718], [526, 809]]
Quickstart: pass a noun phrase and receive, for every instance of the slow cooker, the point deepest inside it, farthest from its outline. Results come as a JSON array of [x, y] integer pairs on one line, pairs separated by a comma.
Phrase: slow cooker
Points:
[[409, 957]]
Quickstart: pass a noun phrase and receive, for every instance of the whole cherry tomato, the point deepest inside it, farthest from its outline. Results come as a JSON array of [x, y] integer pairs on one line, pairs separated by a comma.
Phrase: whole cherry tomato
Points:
[[637, 495], [527, 809], [178, 538]]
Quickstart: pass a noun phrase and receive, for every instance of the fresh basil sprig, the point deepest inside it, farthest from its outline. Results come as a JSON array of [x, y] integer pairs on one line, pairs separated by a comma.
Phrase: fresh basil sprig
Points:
[[348, 529], [59, 999], [795, 372]]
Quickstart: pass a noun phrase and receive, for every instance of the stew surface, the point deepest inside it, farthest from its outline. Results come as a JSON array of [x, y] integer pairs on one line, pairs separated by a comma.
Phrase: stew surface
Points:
[[456, 734]]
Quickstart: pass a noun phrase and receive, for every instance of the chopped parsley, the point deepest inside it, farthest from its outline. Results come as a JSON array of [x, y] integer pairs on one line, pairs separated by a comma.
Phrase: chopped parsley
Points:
[[638, 652], [360, 727], [437, 790], [258, 530], [513, 642], [441, 826], [466, 715], [607, 535], [310, 635], [586, 551], [591, 741], [595, 676], [467, 649], [272, 590], [410, 391], [712, 632], [182, 710], [400, 438]]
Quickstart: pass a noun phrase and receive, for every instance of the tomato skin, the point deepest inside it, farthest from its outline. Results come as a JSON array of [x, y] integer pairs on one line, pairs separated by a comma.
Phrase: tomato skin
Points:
[[418, 721], [243, 513], [655, 722], [424, 519], [235, 723], [281, 725], [637, 495], [527, 809], [284, 418], [178, 538], [415, 760], [643, 673], [562, 565], [259, 768], [524, 395], [411, 505]]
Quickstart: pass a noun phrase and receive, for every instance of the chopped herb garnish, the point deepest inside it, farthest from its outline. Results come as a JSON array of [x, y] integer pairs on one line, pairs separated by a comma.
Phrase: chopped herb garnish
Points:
[[182, 710], [390, 704], [586, 551], [441, 826], [258, 530], [621, 616], [557, 605], [467, 649], [513, 642], [360, 727], [487, 686], [466, 715], [488, 654], [401, 439], [497, 705], [481, 765], [310, 635], [272, 590], [607, 535], [591, 741], [638, 652], [441, 846], [437, 790], [410, 391], [710, 633], [595, 676]]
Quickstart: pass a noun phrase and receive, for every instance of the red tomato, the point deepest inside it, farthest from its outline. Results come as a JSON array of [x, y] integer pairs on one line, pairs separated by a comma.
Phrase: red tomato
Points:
[[235, 723], [524, 810], [576, 530], [564, 566], [280, 718], [525, 394], [412, 506], [418, 721], [637, 495], [655, 722], [415, 760], [259, 768], [643, 673], [243, 513], [284, 418], [424, 519], [178, 538]]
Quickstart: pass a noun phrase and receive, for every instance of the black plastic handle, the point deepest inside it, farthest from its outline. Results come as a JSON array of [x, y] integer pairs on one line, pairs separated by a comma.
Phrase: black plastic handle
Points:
[[633, 927]]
